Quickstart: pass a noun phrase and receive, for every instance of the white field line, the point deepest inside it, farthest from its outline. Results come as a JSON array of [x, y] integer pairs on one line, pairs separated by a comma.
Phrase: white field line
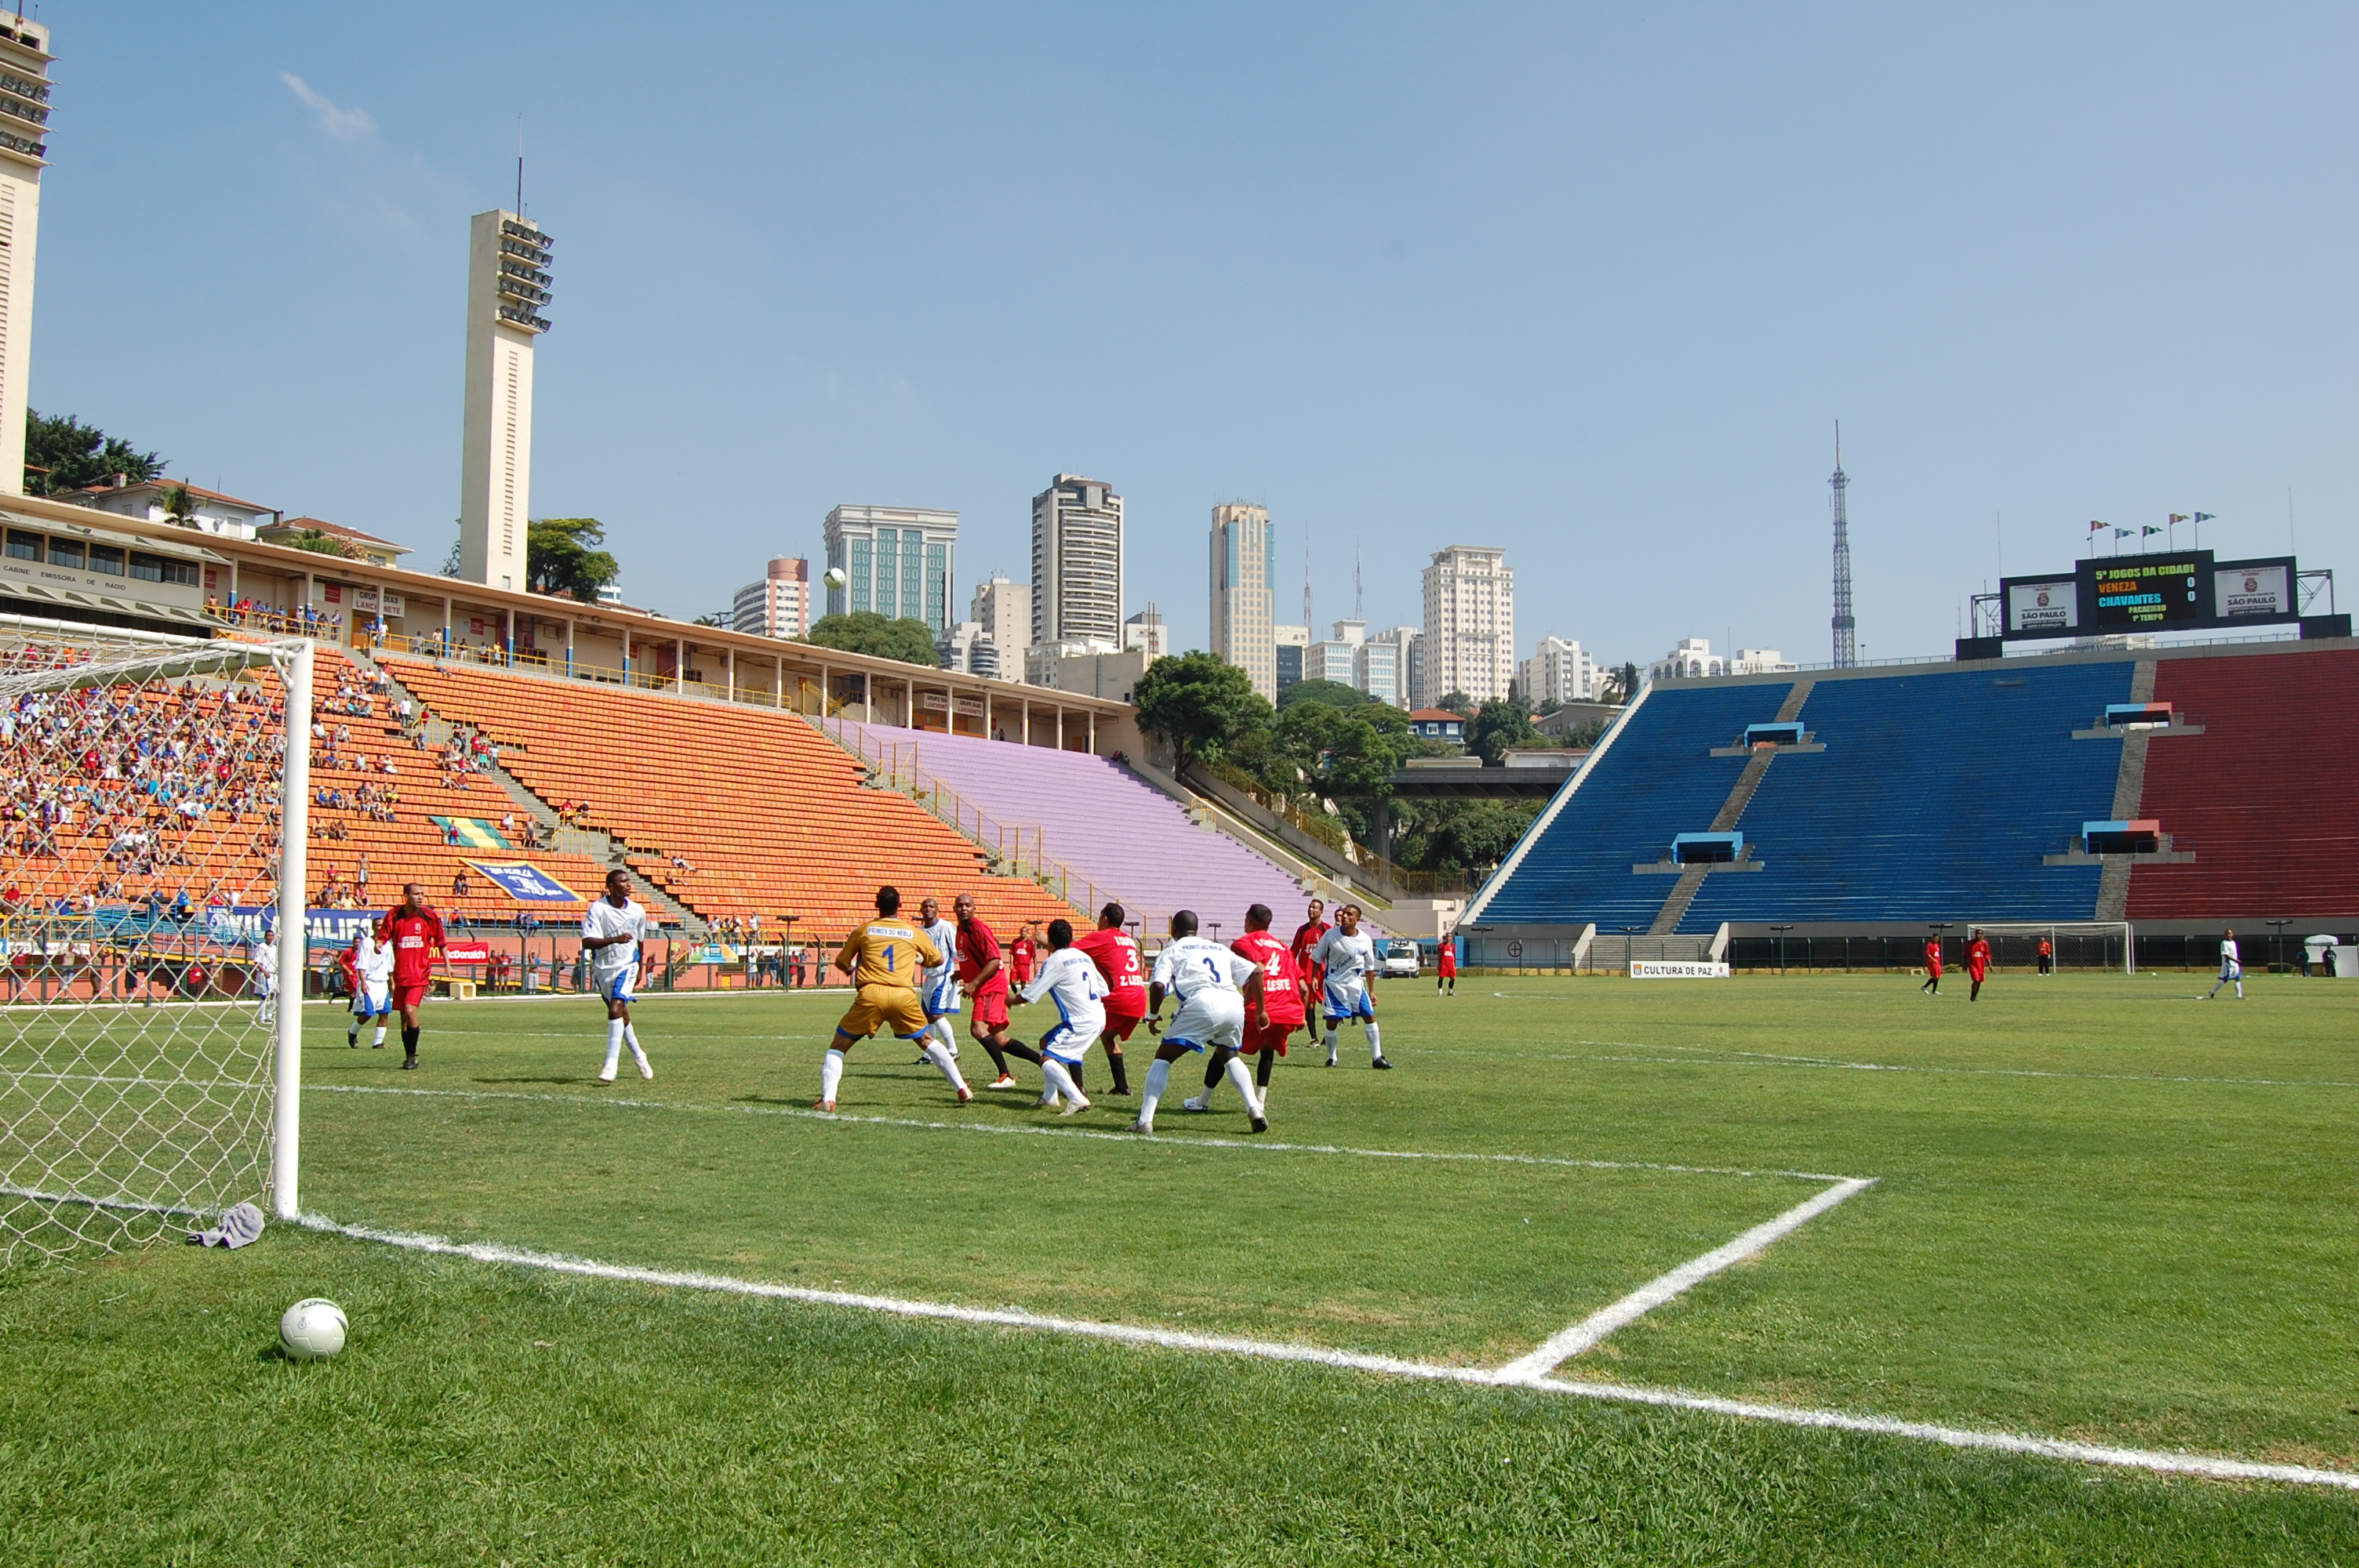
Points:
[[1728, 1057], [1672, 1399], [1256, 1145], [1565, 1344]]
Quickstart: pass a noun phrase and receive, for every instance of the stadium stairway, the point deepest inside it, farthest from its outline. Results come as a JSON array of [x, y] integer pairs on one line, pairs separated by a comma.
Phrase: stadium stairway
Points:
[[733, 811], [1129, 839]]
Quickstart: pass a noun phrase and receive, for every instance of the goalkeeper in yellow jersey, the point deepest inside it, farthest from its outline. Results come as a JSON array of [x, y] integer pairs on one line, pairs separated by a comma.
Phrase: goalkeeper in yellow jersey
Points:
[[886, 958]]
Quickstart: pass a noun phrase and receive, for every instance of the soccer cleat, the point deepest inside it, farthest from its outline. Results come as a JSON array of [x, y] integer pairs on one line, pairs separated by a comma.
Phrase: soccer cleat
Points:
[[377, 1045], [1261, 1124], [409, 1064], [825, 1106], [1331, 1061], [1147, 1126], [1382, 1065], [1196, 1103], [1004, 1081], [966, 1094], [923, 1061], [646, 1070], [1045, 1101], [1074, 1107], [607, 1077]]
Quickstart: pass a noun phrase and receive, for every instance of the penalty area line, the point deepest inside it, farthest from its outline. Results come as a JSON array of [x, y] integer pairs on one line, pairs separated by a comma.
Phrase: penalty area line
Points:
[[2206, 1466]]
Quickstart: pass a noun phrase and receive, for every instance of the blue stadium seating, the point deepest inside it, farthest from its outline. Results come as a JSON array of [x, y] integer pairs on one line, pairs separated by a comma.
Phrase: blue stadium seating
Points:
[[1935, 799], [1656, 780]]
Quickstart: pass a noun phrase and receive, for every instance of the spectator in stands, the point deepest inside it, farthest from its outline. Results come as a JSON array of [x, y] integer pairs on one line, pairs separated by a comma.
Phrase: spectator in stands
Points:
[[360, 877], [458, 885]]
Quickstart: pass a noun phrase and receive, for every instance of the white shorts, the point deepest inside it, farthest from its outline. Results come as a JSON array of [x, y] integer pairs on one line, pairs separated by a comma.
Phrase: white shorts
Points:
[[1211, 1017], [1069, 1038], [942, 997], [371, 1000], [1349, 1001], [2232, 972], [620, 986]]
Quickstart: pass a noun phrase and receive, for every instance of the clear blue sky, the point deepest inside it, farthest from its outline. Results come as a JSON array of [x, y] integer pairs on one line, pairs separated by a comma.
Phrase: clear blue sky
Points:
[[1591, 283]]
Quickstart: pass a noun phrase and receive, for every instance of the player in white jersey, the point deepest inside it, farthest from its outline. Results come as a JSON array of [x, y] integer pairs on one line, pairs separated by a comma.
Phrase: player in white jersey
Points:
[[2232, 968], [938, 987], [261, 959], [372, 987], [1216, 986], [611, 929], [1074, 983], [1348, 955]]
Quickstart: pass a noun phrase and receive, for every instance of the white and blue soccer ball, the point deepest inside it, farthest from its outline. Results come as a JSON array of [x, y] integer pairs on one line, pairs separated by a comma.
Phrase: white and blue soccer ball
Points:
[[312, 1328]]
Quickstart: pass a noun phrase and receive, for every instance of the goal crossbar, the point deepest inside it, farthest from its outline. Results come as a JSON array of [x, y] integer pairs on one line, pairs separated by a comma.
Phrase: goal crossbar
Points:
[[2105, 930]]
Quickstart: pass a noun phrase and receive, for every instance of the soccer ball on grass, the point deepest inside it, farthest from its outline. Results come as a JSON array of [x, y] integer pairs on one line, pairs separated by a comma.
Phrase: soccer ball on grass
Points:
[[312, 1328]]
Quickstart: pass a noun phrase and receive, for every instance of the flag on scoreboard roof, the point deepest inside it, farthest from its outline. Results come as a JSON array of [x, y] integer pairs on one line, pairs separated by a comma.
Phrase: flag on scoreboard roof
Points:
[[527, 883], [472, 831]]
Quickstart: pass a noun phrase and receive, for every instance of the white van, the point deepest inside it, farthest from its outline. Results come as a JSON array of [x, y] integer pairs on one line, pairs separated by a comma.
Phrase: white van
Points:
[[1400, 959]]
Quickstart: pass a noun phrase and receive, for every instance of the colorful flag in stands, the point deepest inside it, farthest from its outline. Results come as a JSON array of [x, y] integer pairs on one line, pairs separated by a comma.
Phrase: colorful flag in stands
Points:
[[472, 832], [528, 883]]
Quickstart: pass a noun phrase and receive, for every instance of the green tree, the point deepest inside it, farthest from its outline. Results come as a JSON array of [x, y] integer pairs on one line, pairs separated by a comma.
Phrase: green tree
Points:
[[910, 640], [1496, 726], [1334, 693], [180, 507], [1458, 702], [1198, 702], [1345, 754], [327, 545], [1461, 835], [74, 456], [561, 555]]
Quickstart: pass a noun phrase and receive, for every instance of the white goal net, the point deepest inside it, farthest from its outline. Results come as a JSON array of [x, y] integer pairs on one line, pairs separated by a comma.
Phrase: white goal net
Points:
[[151, 814], [2071, 944]]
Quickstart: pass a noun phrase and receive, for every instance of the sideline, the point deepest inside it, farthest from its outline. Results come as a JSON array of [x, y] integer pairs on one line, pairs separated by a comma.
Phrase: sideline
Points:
[[2209, 1466]]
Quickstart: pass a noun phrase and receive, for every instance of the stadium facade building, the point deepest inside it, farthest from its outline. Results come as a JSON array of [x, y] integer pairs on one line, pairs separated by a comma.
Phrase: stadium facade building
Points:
[[24, 152], [1244, 601], [779, 605], [898, 562], [507, 289], [1469, 625], [2176, 789], [1077, 585]]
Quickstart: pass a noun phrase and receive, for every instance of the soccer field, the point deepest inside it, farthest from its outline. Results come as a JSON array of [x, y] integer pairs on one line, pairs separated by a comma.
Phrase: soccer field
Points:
[[2083, 1208]]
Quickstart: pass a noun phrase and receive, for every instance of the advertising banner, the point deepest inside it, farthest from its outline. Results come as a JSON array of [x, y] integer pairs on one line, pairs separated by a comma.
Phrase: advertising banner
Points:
[[2253, 588], [2042, 607], [1655, 969], [527, 883]]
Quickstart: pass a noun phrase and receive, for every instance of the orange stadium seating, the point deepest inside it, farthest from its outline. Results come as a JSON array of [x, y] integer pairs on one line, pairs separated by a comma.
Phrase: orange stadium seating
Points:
[[733, 811]]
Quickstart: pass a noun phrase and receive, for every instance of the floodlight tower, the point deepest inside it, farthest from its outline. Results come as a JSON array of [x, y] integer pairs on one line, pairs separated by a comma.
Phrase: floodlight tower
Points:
[[1846, 628], [507, 284], [24, 152]]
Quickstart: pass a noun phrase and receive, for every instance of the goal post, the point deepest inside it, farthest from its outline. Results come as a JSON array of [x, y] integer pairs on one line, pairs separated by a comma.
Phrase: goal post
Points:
[[153, 943], [2117, 939]]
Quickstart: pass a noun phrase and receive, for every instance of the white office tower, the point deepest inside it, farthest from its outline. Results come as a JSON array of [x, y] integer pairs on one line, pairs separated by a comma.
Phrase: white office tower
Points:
[[1336, 657], [1469, 625], [1402, 648], [24, 152], [779, 605], [507, 285], [1558, 673], [1244, 608], [1147, 633], [1004, 610], [897, 561], [1077, 563]]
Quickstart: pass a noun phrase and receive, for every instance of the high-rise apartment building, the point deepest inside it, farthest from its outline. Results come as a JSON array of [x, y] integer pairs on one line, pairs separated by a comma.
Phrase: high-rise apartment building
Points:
[[1004, 609], [1407, 645], [1469, 644], [897, 561], [1290, 646], [508, 287], [24, 152], [779, 605], [1243, 606], [1336, 657], [1557, 672], [1077, 563]]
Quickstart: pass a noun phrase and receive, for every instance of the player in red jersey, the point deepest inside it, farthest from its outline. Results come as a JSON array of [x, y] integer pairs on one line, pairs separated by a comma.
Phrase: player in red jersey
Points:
[[1021, 955], [1306, 937], [984, 979], [1978, 958], [1282, 994], [1115, 953], [1932, 986], [415, 934], [1445, 966]]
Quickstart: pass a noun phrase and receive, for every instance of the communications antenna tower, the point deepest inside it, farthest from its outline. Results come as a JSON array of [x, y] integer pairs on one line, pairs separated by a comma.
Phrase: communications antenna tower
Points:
[[1846, 629]]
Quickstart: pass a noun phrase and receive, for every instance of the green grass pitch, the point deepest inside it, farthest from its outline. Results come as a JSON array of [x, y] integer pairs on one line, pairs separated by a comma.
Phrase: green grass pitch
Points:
[[2101, 1211]]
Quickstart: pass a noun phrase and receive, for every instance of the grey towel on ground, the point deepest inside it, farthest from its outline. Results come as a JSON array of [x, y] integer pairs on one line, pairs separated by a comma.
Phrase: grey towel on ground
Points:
[[238, 1227]]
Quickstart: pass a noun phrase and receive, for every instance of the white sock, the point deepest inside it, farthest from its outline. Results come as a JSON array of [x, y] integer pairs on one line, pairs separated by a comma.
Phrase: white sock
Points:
[[831, 1072], [1158, 1078], [1242, 1075], [1375, 1042], [352, 1035], [613, 1044], [631, 1038], [380, 1034], [940, 1055], [1061, 1081], [1330, 1041]]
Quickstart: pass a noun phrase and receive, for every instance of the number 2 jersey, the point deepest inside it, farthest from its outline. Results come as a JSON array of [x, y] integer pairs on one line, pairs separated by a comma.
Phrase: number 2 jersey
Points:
[[1115, 953]]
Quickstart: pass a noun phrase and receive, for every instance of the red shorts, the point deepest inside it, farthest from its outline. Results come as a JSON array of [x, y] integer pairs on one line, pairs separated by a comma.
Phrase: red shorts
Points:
[[1118, 1028], [407, 996], [990, 1009], [1258, 1040]]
